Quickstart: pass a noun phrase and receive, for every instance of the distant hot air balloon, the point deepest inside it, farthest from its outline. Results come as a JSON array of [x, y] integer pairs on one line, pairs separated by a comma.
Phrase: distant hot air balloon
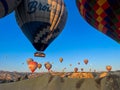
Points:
[[70, 64], [86, 61], [29, 60], [75, 69], [41, 21], [78, 63], [7, 6], [39, 65], [82, 69], [33, 66], [104, 15], [61, 59], [48, 66], [108, 68]]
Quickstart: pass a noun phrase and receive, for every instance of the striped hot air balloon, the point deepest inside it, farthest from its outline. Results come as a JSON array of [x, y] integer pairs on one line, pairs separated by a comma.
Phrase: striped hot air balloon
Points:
[[41, 21], [7, 6], [104, 15]]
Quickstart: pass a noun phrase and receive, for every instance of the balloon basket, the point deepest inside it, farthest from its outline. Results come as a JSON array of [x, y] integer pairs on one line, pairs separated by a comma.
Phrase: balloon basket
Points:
[[39, 54]]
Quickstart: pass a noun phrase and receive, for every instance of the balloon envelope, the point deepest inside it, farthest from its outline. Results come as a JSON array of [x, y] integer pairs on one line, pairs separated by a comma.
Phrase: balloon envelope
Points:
[[109, 67], [7, 6], [39, 65], [48, 66], [61, 59], [41, 21], [33, 66], [86, 61], [75, 69], [104, 15]]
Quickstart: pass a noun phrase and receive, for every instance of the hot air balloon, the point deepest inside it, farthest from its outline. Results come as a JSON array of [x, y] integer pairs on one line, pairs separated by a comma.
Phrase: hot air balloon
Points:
[[104, 15], [78, 63], [48, 66], [70, 64], [33, 66], [108, 68], [75, 69], [41, 21], [7, 6], [39, 65], [82, 69], [29, 60], [86, 61], [61, 59]]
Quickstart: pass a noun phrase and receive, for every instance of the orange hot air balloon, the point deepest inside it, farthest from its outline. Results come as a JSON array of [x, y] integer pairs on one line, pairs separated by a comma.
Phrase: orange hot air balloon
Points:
[[33, 66], [86, 61], [75, 69], [48, 66], [29, 60], [61, 59], [108, 68], [39, 65]]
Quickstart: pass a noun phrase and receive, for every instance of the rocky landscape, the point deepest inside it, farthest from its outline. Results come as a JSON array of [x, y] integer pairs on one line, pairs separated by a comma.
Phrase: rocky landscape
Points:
[[60, 81]]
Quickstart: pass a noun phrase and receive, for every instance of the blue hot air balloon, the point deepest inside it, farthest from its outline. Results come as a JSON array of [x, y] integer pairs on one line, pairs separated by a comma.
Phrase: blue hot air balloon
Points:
[[7, 6], [41, 21]]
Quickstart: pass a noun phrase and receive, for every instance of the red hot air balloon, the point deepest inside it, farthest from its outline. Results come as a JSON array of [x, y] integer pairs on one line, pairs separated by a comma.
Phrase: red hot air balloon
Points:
[[104, 15], [33, 66], [86, 61]]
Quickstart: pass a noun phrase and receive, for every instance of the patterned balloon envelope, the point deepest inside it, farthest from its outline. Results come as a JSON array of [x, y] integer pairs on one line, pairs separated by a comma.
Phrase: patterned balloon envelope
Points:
[[104, 15], [7, 6], [41, 21]]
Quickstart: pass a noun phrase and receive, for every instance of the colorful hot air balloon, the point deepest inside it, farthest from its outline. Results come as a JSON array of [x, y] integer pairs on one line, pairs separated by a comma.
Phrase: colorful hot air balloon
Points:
[[33, 66], [86, 61], [61, 59], [39, 65], [48, 66], [41, 21], [75, 69], [108, 68], [7, 6], [104, 15]]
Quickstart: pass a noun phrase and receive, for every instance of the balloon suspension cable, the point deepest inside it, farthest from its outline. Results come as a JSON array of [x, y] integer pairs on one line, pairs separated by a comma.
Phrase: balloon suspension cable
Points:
[[39, 54]]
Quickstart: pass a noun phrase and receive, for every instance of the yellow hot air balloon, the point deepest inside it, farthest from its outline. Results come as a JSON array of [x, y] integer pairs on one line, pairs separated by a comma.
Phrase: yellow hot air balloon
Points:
[[61, 59], [39, 65], [33, 66], [108, 67]]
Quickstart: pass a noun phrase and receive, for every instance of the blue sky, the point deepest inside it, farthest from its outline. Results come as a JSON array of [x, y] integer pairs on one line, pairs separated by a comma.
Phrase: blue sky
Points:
[[77, 42]]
